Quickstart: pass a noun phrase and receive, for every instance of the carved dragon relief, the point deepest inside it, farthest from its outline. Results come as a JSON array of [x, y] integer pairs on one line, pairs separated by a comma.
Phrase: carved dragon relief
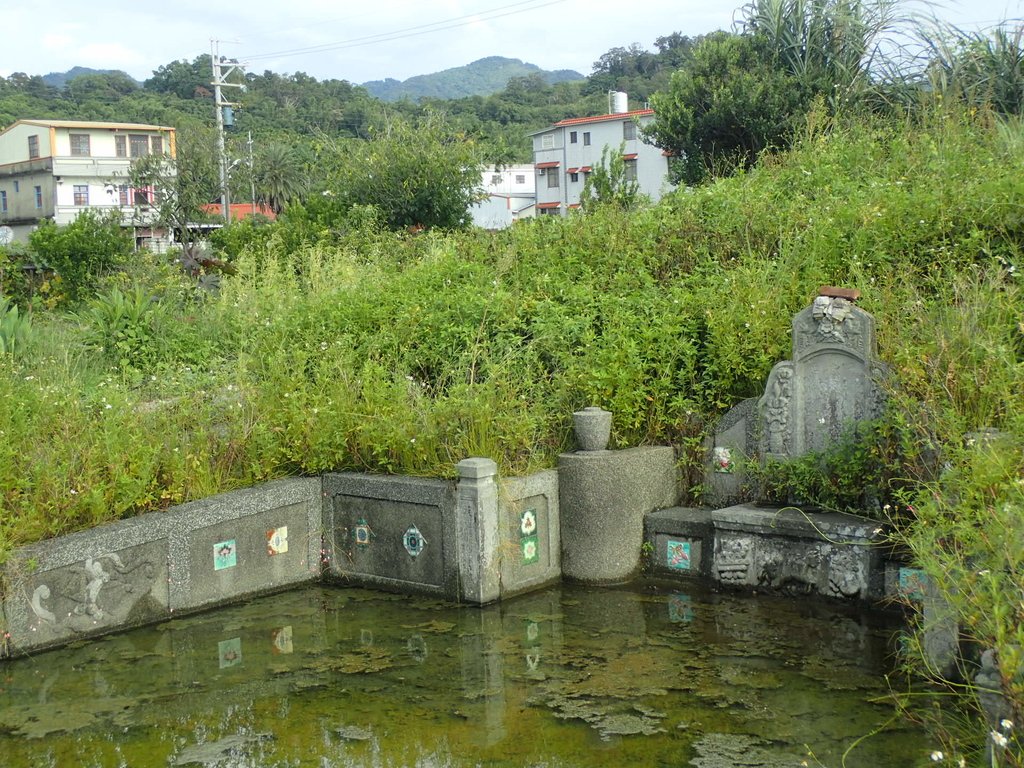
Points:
[[86, 598], [777, 411]]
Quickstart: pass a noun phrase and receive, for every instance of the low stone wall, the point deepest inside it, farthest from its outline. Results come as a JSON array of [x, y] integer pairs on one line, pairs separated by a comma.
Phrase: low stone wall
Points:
[[151, 567], [473, 541], [783, 550]]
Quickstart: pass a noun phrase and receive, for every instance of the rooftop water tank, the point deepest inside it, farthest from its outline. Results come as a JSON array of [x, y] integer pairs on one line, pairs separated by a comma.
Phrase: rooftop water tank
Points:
[[620, 102]]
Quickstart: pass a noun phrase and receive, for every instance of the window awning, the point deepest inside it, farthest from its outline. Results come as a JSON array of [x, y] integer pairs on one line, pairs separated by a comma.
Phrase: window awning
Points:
[[631, 156], [585, 169], [549, 205], [572, 170], [554, 164]]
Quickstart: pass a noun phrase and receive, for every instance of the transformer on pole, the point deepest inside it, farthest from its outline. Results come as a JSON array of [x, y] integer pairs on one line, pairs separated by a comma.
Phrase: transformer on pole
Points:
[[222, 69]]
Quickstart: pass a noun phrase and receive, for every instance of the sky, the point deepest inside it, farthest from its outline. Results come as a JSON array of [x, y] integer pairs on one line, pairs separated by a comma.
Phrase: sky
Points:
[[369, 41]]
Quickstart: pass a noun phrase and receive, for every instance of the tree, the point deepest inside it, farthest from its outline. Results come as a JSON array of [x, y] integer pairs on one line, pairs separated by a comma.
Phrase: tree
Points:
[[82, 251], [416, 173], [610, 184], [730, 103], [278, 176], [181, 185]]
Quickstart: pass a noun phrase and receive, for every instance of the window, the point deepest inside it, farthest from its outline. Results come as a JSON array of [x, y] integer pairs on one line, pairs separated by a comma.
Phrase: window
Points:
[[39, 197], [573, 137], [3, 201], [552, 178], [520, 179], [138, 146], [122, 195], [552, 211], [33, 147], [547, 141], [158, 145], [81, 194], [17, 187], [79, 144], [495, 179], [143, 196], [629, 130], [630, 170], [586, 138], [574, 177], [121, 146]]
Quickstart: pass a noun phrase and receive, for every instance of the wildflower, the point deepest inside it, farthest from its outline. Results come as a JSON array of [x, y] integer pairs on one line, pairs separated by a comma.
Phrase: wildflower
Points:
[[108, 406], [998, 739], [1006, 725], [937, 756]]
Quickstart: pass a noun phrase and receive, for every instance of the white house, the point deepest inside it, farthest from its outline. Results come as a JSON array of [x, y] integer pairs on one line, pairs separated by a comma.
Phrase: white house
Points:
[[511, 193], [55, 169], [566, 152]]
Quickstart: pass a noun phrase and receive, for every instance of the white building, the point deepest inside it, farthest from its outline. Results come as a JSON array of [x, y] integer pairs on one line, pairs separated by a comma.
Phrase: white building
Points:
[[567, 151], [511, 194], [55, 169]]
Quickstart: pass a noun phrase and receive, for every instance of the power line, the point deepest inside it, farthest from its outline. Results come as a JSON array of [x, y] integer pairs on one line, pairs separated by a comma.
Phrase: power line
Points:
[[420, 29]]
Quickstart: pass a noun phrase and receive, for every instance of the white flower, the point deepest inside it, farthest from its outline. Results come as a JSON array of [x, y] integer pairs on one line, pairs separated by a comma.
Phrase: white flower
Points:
[[998, 739], [937, 756], [1006, 725]]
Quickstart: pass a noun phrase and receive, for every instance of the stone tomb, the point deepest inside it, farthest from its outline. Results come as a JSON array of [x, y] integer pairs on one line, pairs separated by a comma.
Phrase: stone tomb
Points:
[[809, 403]]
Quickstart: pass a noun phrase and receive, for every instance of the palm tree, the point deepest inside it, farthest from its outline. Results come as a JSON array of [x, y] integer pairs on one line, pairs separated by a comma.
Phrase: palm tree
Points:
[[279, 176]]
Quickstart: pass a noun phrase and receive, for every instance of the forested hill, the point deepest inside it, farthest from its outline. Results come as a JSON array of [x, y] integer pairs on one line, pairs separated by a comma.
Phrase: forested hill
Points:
[[293, 109], [481, 78]]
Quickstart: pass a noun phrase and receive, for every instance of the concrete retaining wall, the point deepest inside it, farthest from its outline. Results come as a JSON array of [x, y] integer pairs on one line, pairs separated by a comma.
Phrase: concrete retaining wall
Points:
[[148, 568], [473, 541]]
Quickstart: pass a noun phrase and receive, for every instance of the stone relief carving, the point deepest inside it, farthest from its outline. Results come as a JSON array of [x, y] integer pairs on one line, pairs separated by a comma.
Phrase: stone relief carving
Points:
[[831, 314], [82, 599], [846, 573], [777, 411], [793, 575], [733, 560]]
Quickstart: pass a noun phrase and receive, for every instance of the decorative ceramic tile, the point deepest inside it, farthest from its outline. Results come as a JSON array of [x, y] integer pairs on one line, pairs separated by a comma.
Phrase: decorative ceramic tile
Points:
[[225, 555], [282, 640], [677, 555], [721, 458], [680, 608], [362, 534], [230, 652], [913, 583], [531, 551], [413, 541], [277, 541], [528, 522]]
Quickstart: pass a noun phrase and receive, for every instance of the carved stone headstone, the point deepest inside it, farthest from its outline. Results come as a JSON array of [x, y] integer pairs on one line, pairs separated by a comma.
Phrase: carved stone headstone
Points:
[[830, 384]]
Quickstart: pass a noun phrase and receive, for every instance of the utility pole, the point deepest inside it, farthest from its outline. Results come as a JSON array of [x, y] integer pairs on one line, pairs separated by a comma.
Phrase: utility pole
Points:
[[222, 69]]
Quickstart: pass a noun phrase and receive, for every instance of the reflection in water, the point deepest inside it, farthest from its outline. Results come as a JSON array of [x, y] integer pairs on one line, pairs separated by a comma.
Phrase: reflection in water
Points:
[[564, 678]]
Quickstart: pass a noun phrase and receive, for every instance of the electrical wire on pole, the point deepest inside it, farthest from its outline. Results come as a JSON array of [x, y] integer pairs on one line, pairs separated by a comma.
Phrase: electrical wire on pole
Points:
[[222, 69]]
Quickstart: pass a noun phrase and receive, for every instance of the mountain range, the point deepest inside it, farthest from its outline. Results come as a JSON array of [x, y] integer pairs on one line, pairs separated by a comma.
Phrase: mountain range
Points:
[[480, 78]]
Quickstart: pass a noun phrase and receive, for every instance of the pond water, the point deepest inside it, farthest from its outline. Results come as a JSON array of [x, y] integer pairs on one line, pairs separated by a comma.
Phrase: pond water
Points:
[[570, 676]]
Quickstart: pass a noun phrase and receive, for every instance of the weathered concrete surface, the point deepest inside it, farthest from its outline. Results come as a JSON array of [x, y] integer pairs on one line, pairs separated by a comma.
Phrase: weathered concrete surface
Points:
[[478, 554], [530, 540], [681, 542], [88, 583], [249, 519], [603, 497], [144, 569], [395, 533], [789, 551]]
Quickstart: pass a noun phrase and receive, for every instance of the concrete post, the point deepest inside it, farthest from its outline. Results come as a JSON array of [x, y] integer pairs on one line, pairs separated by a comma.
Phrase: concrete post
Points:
[[476, 512]]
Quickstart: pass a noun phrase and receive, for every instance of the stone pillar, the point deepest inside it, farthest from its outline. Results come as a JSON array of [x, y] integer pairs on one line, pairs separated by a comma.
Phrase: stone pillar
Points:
[[603, 497], [476, 512]]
